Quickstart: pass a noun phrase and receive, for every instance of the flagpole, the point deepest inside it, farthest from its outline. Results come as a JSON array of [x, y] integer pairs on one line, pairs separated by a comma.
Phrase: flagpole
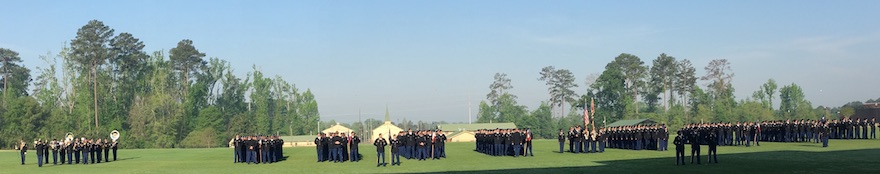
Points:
[[389, 150]]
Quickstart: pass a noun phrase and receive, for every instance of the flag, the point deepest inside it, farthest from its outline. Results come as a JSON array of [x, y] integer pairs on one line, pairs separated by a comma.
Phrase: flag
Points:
[[586, 115]]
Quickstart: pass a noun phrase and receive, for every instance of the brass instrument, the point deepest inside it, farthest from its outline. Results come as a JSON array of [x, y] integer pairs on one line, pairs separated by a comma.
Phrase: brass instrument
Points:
[[69, 136], [114, 135]]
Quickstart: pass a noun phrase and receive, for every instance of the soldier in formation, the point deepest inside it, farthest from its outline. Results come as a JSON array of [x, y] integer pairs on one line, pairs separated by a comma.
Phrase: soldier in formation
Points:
[[255, 149]]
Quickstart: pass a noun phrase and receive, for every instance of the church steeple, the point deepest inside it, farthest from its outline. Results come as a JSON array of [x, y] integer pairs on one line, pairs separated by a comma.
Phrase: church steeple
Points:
[[387, 116]]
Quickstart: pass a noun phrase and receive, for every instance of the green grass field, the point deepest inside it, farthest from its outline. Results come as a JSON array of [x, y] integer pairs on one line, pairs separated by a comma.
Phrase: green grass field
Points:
[[849, 156]]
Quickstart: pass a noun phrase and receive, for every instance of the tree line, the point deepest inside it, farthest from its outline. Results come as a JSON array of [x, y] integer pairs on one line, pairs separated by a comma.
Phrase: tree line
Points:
[[106, 81], [666, 91]]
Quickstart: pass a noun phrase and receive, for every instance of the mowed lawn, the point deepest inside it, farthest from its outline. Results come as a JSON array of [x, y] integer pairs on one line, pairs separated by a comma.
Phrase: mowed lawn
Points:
[[844, 156]]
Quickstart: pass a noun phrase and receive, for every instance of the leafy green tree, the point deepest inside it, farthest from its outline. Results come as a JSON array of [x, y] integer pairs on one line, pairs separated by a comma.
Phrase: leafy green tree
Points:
[[187, 61], [633, 70], [610, 97], [791, 100], [543, 127], [719, 74], [847, 111], [685, 79], [769, 89], [663, 74], [261, 99], [308, 111], [498, 87], [16, 78], [559, 82], [486, 114], [89, 51]]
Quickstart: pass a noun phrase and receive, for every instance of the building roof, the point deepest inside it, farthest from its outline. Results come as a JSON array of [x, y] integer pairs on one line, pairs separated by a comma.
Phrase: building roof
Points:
[[384, 129], [631, 122], [337, 128], [475, 126], [462, 133]]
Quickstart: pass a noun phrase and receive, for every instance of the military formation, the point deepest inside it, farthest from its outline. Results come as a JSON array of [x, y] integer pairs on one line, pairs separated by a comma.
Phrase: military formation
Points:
[[420, 144], [640, 137], [582, 140], [504, 142], [853, 129], [337, 147], [258, 149], [70, 151]]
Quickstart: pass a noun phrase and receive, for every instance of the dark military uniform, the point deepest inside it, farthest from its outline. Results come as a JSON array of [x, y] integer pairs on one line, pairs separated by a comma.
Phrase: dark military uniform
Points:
[[319, 147], [39, 148], [679, 149], [395, 148], [713, 148], [695, 146], [380, 144]]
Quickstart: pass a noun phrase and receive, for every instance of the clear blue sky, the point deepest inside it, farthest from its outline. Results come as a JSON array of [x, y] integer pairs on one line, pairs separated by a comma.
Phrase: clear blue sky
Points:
[[427, 59]]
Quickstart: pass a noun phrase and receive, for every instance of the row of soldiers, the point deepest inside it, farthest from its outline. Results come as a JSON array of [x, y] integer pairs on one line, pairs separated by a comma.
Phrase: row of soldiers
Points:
[[639, 137], [337, 147], [257, 149], [726, 134], [70, 151], [420, 144], [580, 140], [744, 133], [504, 142], [853, 129]]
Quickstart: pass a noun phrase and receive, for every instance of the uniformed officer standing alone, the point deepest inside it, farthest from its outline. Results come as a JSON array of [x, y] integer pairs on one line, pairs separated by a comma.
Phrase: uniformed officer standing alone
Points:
[[679, 149], [380, 144]]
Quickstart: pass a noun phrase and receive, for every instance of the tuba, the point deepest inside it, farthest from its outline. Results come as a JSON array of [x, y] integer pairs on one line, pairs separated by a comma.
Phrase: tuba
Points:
[[69, 136], [114, 135]]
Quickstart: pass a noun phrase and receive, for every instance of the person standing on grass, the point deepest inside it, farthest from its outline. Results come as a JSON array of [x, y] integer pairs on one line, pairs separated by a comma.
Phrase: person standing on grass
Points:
[[873, 126], [713, 148], [528, 143], [337, 147], [107, 150], [319, 147], [395, 149], [679, 148], [98, 147], [39, 147], [114, 146], [695, 145], [561, 139], [441, 144], [236, 149], [22, 147], [54, 147], [380, 144], [823, 132], [354, 140]]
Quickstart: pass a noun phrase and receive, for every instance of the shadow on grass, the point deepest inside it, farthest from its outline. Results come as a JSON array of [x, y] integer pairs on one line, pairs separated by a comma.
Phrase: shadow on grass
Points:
[[850, 161], [102, 162]]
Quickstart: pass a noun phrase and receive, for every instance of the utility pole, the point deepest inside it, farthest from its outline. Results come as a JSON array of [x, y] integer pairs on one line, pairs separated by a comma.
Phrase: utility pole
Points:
[[469, 109]]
